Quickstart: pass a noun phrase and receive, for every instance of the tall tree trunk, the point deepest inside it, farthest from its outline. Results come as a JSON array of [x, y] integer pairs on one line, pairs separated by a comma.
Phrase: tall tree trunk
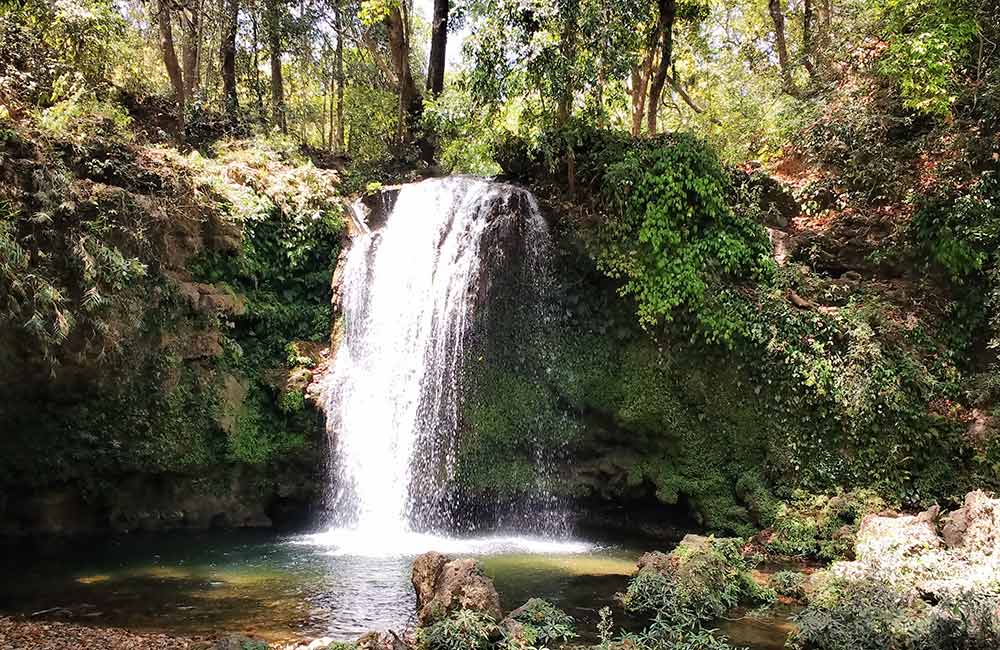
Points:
[[338, 58], [399, 50], [255, 61], [278, 110], [665, 25], [640, 83], [191, 19], [778, 17], [567, 47], [824, 35], [439, 45], [807, 38], [170, 56], [227, 54]]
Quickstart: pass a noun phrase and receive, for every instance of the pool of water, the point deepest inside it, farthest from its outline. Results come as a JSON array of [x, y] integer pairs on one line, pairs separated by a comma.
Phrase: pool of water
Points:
[[286, 587]]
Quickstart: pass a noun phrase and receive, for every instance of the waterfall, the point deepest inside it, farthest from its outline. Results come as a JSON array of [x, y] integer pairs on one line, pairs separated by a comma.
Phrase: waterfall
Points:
[[411, 293]]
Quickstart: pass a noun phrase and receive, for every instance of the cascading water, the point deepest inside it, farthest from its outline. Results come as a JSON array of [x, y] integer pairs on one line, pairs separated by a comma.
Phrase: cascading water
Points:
[[410, 293]]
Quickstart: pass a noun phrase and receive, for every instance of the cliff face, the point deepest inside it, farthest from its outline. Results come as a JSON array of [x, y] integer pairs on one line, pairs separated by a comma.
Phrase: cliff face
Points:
[[840, 367], [152, 305]]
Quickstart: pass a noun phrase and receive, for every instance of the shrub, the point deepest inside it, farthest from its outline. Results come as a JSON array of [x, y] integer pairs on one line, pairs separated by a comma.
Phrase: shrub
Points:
[[463, 629], [544, 623], [787, 583], [664, 633], [698, 580], [821, 526]]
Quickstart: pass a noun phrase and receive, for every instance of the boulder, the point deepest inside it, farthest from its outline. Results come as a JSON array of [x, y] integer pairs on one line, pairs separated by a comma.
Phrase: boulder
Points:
[[884, 537], [444, 585], [655, 560], [381, 641], [975, 526]]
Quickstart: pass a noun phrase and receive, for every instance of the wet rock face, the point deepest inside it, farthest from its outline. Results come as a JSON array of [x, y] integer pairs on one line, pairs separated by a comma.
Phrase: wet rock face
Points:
[[444, 585]]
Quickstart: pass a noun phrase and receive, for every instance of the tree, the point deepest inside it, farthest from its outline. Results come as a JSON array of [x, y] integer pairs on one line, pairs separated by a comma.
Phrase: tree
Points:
[[439, 44], [667, 12], [781, 46], [190, 14], [164, 22], [274, 26], [227, 57], [338, 138]]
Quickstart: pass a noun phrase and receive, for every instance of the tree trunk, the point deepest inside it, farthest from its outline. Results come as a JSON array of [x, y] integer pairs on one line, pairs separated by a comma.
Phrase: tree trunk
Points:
[[665, 25], [227, 54], [278, 112], [191, 19], [439, 44], [170, 56], [338, 58], [258, 92], [567, 47], [807, 38], [824, 35], [399, 50], [778, 16], [640, 84]]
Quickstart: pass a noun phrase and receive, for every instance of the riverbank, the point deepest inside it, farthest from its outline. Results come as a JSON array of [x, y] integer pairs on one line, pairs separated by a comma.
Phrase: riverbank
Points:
[[21, 634]]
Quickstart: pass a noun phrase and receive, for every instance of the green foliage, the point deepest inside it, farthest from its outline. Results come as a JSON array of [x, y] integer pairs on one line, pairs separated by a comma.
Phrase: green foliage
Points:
[[787, 583], [671, 237], [73, 273], [552, 53], [77, 115], [464, 130], [541, 624], [464, 629], [696, 581], [671, 634], [928, 41], [961, 229], [820, 525], [291, 221], [508, 418], [873, 614], [667, 231]]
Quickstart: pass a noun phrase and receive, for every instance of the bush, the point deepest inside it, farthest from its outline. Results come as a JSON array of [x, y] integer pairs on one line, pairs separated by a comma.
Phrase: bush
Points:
[[549, 622], [663, 633], [463, 629], [821, 526], [699, 580], [787, 583]]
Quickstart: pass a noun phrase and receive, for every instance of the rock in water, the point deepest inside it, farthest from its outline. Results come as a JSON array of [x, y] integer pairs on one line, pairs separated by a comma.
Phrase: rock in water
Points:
[[444, 585], [381, 641]]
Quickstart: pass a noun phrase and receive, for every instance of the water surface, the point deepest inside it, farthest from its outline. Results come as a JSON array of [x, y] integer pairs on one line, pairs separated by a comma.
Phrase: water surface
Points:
[[330, 584]]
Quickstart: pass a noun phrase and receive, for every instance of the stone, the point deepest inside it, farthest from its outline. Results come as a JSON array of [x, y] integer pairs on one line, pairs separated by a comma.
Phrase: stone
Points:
[[884, 537], [444, 585], [239, 642], [381, 641], [975, 526], [655, 560]]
